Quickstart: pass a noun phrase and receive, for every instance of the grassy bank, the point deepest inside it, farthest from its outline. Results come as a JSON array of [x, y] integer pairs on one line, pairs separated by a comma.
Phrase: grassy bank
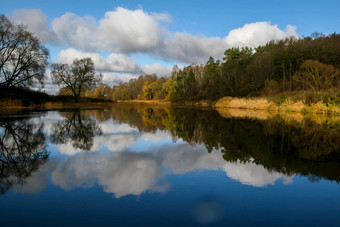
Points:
[[201, 103], [307, 102]]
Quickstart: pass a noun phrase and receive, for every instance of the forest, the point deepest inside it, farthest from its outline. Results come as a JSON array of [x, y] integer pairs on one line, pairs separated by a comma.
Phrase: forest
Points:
[[311, 63]]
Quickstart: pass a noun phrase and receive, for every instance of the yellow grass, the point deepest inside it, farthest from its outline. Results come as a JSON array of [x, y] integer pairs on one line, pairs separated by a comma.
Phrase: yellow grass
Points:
[[244, 113], [157, 102], [10, 103], [271, 107], [52, 105], [319, 108], [289, 106], [244, 103]]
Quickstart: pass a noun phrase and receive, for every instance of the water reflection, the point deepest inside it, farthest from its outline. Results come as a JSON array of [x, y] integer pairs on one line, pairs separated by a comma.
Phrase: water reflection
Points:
[[130, 173], [77, 128], [22, 151], [134, 149], [308, 147]]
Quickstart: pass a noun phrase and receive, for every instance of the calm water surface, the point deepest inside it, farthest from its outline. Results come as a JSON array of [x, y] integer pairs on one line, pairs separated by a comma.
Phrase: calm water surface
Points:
[[153, 166]]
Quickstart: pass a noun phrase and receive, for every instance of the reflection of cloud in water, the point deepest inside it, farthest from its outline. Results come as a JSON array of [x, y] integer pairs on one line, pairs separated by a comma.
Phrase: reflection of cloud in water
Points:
[[37, 181], [158, 136], [115, 142], [129, 173], [111, 126], [115, 137], [68, 148], [121, 173], [47, 118], [254, 175]]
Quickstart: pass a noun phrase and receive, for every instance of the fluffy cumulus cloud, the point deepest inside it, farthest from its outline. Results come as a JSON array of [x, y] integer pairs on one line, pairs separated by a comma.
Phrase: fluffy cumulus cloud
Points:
[[122, 32], [130, 31], [187, 48], [113, 63], [115, 67], [76, 31], [142, 33], [36, 22], [115, 78], [157, 69], [256, 34]]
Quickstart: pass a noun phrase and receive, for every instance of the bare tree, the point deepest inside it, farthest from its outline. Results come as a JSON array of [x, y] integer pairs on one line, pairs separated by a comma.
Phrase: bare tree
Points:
[[23, 59], [77, 77]]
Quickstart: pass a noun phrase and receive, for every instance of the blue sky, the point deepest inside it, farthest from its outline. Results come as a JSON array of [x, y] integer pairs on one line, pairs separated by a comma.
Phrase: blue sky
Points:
[[129, 38]]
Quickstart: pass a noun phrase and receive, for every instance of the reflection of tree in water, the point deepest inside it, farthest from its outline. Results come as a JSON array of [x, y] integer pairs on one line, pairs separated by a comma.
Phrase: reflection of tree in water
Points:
[[22, 152], [308, 148], [77, 127]]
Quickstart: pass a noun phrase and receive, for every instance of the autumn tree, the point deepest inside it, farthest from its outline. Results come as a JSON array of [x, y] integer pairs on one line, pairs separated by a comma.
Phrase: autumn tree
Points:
[[103, 91], [76, 77], [316, 75], [169, 89], [23, 59], [64, 92]]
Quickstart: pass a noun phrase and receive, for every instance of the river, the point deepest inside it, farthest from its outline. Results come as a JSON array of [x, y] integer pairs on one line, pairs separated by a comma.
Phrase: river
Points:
[[140, 165]]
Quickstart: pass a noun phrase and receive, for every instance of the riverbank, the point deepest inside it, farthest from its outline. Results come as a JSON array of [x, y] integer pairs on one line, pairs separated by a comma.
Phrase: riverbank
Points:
[[303, 102], [292, 102], [295, 102]]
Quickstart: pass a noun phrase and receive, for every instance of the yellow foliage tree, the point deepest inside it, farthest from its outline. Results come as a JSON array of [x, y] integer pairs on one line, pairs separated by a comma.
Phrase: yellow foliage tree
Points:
[[316, 75]]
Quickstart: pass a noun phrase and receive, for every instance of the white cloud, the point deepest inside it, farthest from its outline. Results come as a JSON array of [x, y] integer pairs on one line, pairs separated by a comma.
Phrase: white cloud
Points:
[[76, 31], [113, 63], [187, 48], [129, 31], [116, 67], [123, 31], [36, 22], [258, 33], [115, 78], [157, 69]]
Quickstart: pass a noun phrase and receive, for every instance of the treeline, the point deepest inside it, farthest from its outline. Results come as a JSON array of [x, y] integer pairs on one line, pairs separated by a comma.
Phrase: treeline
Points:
[[290, 64]]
